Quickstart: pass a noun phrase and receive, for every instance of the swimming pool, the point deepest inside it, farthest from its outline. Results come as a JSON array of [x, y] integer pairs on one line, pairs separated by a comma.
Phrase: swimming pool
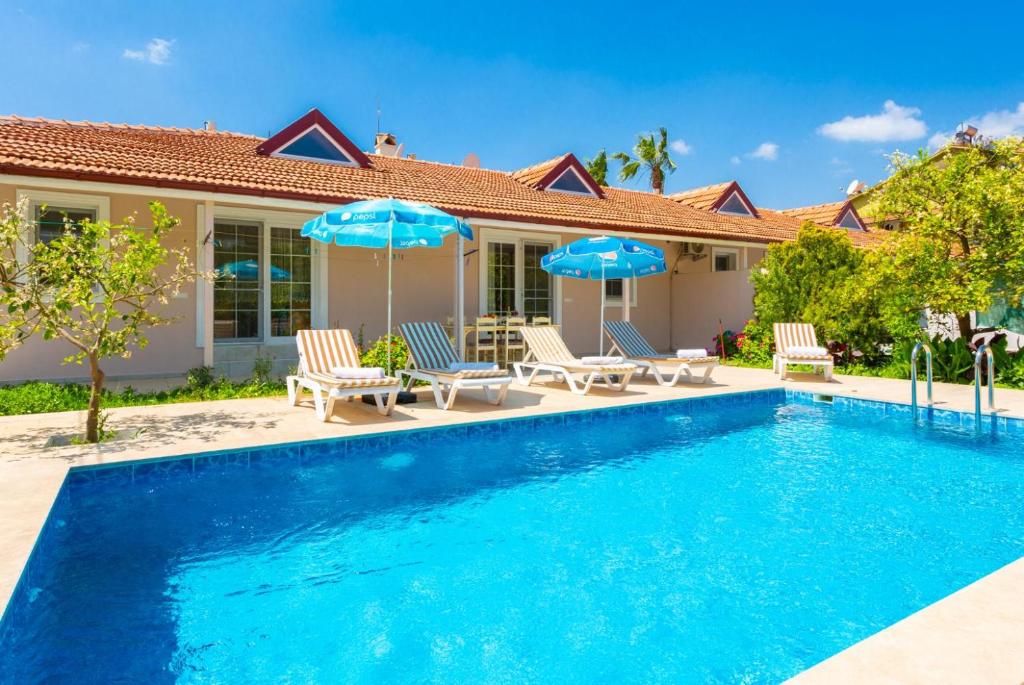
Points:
[[740, 538]]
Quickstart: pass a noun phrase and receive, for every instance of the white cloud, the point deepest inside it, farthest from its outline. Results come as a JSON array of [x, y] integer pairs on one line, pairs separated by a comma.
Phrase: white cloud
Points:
[[766, 151], [939, 139], [735, 160], [681, 147], [894, 123], [157, 51]]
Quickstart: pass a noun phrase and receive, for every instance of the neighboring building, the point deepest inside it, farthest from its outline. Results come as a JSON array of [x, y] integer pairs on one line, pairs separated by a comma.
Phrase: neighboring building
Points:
[[242, 198]]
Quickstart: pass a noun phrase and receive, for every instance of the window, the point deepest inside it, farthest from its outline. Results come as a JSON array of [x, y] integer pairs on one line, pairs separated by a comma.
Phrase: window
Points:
[[290, 282], [536, 281], [724, 259], [237, 259], [850, 221], [511, 280], [50, 221], [613, 292], [501, 278], [314, 144], [735, 205], [570, 182]]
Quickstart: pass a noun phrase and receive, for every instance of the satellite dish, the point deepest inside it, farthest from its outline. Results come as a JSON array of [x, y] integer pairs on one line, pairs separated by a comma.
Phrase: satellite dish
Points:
[[855, 187], [400, 150], [472, 161]]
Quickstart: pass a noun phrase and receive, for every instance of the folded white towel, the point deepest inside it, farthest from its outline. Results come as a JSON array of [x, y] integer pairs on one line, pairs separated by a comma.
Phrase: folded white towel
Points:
[[472, 366], [806, 351], [691, 354], [601, 361], [358, 372]]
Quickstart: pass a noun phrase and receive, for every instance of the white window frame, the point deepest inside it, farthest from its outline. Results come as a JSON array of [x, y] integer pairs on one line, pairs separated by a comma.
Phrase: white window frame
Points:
[[267, 219], [519, 238], [717, 250], [584, 193], [100, 204], [617, 301], [319, 128]]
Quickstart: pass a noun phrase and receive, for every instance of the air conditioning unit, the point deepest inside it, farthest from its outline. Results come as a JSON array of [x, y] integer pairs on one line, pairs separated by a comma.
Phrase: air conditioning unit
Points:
[[694, 251]]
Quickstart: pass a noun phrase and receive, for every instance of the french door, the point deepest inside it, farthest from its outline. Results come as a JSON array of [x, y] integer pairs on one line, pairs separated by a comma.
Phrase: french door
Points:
[[512, 281]]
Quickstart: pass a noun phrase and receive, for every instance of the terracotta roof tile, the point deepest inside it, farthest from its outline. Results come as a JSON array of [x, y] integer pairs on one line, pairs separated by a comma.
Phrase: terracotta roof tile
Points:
[[704, 197], [827, 214], [219, 161]]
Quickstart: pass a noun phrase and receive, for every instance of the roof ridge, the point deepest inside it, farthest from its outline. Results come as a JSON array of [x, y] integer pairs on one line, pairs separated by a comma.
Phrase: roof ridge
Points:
[[454, 165], [702, 189], [106, 125], [538, 165], [817, 206]]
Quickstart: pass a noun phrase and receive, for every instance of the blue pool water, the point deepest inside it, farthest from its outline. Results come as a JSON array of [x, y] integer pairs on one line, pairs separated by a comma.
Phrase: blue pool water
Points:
[[734, 540]]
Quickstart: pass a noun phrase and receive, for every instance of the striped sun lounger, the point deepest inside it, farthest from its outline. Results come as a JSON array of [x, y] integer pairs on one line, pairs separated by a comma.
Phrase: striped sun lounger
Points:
[[627, 341], [794, 344], [433, 359], [546, 352], [321, 351]]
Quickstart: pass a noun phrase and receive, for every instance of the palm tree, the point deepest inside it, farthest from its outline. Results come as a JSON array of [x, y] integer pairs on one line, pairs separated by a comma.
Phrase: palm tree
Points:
[[597, 167], [649, 155]]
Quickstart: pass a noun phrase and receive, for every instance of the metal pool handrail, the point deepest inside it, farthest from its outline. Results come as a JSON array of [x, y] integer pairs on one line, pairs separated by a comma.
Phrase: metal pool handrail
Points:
[[913, 374], [985, 350]]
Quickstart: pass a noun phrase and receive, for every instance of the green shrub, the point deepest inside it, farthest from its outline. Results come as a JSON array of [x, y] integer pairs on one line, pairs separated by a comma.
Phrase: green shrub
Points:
[[378, 353], [755, 344], [261, 367], [199, 377]]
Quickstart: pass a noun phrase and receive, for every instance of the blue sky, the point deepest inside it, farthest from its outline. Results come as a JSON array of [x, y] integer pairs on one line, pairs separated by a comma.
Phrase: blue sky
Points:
[[790, 101]]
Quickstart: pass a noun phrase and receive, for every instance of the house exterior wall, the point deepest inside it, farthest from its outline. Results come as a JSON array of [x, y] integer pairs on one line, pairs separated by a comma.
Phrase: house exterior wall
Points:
[[355, 287], [171, 350]]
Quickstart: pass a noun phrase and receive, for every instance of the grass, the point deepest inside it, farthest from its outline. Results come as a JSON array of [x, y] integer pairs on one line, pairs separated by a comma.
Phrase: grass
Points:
[[38, 397]]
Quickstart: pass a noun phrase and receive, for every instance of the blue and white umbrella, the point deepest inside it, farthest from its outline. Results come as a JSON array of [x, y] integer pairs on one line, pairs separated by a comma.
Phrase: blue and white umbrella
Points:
[[387, 223], [604, 257]]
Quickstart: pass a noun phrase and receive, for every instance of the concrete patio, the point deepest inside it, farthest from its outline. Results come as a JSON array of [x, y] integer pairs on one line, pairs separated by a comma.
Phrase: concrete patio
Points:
[[974, 635]]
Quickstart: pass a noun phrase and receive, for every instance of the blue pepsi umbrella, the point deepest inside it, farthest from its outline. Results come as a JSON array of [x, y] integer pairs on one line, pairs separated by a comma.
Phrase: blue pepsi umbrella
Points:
[[390, 223], [604, 257]]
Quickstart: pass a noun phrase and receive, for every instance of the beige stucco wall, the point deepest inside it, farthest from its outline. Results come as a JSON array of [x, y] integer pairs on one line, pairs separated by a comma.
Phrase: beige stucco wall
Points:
[[171, 350], [424, 289]]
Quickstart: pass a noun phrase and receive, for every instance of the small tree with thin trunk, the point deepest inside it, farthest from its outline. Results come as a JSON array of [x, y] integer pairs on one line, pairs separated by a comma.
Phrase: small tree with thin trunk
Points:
[[96, 287], [650, 155]]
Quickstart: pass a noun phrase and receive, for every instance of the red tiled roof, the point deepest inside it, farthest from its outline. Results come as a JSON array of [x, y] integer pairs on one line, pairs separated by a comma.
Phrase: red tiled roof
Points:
[[705, 197], [222, 162], [827, 214]]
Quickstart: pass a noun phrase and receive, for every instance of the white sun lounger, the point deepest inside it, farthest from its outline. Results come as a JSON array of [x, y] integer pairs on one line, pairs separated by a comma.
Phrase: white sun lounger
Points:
[[322, 351], [433, 359], [546, 352], [628, 342], [792, 344]]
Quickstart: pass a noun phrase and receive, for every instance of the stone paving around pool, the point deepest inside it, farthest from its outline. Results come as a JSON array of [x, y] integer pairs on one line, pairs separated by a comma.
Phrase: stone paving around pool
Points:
[[974, 635]]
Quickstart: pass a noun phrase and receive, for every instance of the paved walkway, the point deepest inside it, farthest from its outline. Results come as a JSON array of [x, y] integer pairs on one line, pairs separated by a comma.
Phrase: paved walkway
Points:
[[968, 627]]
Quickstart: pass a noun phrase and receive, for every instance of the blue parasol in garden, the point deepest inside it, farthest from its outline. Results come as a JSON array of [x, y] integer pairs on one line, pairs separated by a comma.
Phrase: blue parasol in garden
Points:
[[604, 257], [387, 223]]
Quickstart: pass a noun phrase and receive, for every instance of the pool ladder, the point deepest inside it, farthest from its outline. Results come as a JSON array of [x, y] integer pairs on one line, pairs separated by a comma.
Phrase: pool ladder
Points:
[[913, 375], [984, 352]]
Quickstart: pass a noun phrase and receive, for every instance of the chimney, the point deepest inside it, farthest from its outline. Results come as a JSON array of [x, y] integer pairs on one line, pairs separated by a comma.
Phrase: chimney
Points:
[[386, 145], [210, 125]]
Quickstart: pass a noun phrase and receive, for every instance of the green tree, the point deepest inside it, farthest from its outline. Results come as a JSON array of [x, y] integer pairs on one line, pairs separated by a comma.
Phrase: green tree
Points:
[[96, 287], [650, 156], [820, 278], [959, 244], [597, 167]]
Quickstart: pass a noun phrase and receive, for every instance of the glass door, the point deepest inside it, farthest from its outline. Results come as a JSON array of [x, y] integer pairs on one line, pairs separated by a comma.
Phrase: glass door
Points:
[[514, 283]]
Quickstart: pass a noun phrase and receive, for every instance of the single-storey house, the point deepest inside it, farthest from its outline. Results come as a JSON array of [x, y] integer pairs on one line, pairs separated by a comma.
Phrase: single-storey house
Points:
[[242, 198]]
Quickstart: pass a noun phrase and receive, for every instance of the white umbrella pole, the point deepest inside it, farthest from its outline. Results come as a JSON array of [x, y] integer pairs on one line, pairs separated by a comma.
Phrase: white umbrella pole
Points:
[[600, 331], [387, 335]]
